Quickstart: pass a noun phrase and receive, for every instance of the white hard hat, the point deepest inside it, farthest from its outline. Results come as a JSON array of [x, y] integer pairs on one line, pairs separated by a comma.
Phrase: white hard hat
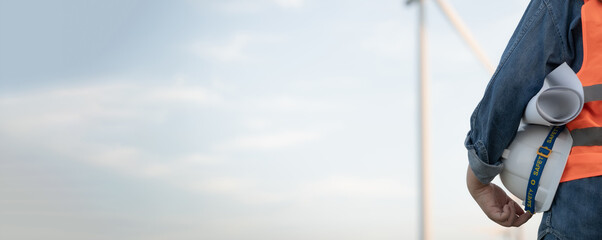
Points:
[[521, 164]]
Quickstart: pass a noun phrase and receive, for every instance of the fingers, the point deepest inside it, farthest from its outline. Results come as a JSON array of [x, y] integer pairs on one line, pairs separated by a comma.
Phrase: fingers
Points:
[[505, 214], [523, 216], [515, 216], [517, 209], [511, 214], [501, 209], [500, 216], [522, 219]]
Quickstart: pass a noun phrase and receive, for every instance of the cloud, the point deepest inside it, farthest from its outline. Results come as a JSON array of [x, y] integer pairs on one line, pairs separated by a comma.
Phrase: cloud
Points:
[[256, 6], [287, 103], [290, 3], [88, 123], [234, 49], [270, 141], [348, 186], [388, 38], [85, 104], [240, 6], [224, 185], [184, 94], [253, 191]]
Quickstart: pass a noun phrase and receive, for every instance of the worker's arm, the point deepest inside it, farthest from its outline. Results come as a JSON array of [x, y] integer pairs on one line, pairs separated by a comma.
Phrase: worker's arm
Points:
[[495, 203], [548, 35]]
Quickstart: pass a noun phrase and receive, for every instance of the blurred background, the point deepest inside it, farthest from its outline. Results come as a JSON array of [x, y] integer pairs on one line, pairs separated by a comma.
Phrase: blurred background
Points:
[[238, 119]]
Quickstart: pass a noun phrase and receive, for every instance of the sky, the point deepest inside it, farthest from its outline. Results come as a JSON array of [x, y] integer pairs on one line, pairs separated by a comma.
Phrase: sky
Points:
[[237, 119]]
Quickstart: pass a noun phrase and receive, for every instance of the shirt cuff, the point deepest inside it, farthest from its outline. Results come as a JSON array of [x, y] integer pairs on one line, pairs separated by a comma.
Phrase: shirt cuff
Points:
[[483, 171]]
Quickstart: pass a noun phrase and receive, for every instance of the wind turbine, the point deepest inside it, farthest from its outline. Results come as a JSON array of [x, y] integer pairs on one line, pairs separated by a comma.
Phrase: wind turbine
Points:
[[423, 102]]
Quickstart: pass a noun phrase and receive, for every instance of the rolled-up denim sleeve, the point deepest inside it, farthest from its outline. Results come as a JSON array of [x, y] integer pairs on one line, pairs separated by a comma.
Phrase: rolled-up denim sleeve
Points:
[[538, 45]]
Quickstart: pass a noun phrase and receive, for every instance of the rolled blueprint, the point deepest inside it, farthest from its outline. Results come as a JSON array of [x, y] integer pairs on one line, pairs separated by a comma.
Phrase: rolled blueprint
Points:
[[559, 101]]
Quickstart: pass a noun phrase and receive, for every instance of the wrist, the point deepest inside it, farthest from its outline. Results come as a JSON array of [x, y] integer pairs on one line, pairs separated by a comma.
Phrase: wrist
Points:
[[475, 186]]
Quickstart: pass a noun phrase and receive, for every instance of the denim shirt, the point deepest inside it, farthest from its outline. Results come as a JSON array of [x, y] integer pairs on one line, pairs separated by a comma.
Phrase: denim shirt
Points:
[[548, 34]]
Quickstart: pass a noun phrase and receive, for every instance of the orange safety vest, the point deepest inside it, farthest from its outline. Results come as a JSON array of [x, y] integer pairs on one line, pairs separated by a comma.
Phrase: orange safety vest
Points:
[[585, 159]]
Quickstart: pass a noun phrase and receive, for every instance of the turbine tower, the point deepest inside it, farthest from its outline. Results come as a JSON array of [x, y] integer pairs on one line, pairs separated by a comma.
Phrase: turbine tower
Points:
[[424, 230]]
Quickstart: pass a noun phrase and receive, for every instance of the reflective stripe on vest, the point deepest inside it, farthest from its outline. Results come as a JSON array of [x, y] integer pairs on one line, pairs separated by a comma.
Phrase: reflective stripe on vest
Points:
[[585, 159]]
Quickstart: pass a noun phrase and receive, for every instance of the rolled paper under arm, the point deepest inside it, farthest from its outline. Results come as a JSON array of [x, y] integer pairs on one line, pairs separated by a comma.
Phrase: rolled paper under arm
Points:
[[559, 101]]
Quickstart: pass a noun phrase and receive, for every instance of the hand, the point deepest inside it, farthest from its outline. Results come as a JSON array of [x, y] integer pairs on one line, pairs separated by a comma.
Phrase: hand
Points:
[[495, 203]]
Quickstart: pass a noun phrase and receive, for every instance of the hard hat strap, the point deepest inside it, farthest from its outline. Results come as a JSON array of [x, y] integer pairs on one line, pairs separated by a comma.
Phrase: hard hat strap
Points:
[[540, 161]]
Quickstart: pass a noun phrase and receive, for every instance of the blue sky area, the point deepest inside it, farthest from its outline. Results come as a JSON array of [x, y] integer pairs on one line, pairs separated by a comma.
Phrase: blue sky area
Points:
[[236, 119]]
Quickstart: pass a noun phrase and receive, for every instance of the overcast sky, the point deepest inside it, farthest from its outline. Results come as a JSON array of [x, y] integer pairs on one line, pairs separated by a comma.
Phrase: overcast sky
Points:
[[236, 119]]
